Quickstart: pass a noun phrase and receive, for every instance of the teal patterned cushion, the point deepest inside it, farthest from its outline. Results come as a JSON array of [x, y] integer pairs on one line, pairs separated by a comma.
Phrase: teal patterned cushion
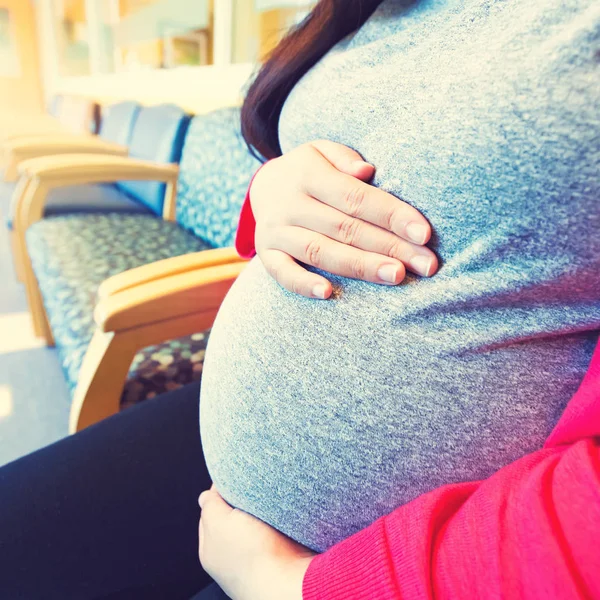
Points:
[[71, 256], [215, 170]]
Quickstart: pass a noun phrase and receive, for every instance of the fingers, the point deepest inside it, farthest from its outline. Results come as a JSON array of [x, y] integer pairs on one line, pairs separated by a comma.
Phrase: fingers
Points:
[[211, 501], [351, 231], [214, 511], [332, 219], [344, 159], [294, 278], [204, 497], [366, 202], [332, 256]]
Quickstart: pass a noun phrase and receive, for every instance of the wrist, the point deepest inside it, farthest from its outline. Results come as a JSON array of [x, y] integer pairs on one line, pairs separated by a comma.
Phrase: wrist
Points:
[[286, 577], [296, 577]]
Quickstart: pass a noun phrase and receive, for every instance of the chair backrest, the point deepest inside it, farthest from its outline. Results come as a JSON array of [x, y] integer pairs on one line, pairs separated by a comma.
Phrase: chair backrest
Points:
[[158, 135], [215, 170], [78, 114], [118, 121]]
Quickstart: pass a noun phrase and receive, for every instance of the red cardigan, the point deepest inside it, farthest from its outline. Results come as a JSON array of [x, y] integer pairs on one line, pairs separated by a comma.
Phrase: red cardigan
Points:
[[531, 531]]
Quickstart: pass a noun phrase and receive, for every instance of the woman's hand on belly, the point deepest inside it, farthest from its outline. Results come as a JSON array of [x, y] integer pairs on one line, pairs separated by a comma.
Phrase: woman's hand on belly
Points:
[[247, 558], [314, 204]]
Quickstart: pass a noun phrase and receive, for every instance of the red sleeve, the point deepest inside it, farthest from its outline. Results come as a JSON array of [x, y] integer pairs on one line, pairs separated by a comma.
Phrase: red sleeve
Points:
[[244, 238], [530, 531]]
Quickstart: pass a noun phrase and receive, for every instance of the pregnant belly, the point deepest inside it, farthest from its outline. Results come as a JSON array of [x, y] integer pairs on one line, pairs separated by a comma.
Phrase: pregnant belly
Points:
[[319, 417]]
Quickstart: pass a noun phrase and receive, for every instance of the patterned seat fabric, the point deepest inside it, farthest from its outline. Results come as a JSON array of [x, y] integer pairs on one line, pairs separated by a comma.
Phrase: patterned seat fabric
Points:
[[73, 254], [216, 168]]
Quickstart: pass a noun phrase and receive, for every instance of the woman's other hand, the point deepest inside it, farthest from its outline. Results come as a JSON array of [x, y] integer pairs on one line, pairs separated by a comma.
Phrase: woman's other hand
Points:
[[314, 205], [247, 558]]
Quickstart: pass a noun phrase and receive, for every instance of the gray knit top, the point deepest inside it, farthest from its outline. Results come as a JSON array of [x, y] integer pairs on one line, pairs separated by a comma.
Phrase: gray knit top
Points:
[[320, 416]]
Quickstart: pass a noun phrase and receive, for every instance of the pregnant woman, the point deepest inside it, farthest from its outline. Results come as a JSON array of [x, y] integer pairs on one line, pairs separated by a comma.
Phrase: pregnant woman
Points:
[[329, 401], [484, 117]]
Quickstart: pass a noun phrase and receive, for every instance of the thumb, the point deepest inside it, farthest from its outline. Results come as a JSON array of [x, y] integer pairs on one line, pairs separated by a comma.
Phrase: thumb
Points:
[[211, 501], [344, 159]]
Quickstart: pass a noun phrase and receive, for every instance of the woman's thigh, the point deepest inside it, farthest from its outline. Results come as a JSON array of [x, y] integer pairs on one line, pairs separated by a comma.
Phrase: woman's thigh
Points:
[[110, 510]]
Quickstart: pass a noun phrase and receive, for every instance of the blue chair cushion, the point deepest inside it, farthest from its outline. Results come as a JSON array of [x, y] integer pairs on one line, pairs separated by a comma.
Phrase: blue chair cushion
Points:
[[91, 199], [158, 135], [79, 199], [118, 121], [71, 255], [215, 170]]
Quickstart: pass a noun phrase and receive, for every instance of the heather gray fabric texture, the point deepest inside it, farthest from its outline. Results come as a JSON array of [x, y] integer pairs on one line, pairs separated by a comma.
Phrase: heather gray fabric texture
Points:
[[320, 416]]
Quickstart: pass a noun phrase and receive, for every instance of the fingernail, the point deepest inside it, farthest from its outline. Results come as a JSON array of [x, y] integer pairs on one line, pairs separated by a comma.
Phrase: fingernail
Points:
[[421, 264], [417, 232], [388, 273], [319, 291]]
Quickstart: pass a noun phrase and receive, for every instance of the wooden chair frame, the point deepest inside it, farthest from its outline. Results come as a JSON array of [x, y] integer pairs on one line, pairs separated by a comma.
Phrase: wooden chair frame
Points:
[[34, 146], [76, 115], [143, 307], [40, 175], [148, 305]]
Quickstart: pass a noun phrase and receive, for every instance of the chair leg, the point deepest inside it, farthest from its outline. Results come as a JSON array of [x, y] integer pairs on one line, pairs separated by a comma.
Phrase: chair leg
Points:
[[41, 326], [17, 256], [102, 377], [25, 194], [46, 330], [11, 170], [107, 361], [15, 239], [19, 200]]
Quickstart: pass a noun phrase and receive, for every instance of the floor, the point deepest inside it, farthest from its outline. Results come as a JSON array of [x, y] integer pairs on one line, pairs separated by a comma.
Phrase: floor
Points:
[[34, 400]]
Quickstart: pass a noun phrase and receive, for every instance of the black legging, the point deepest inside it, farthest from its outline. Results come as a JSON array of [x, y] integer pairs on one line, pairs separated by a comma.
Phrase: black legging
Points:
[[111, 512]]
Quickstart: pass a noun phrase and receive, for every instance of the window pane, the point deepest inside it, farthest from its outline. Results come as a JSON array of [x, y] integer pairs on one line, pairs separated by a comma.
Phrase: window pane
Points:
[[259, 25], [71, 37], [163, 33], [130, 35]]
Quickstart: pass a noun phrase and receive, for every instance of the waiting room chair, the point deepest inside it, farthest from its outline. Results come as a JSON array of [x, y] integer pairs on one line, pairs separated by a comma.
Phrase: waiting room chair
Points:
[[154, 285], [155, 133], [73, 115], [113, 138]]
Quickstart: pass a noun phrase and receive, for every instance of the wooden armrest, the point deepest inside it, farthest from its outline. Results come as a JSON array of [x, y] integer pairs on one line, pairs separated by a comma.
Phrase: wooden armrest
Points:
[[145, 315], [201, 290], [75, 169], [166, 268], [14, 128], [29, 133], [51, 146], [58, 137], [29, 148], [40, 175]]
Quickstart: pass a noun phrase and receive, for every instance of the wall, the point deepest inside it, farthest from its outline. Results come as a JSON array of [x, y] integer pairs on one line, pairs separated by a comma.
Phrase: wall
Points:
[[273, 26], [22, 93], [196, 89], [246, 31]]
